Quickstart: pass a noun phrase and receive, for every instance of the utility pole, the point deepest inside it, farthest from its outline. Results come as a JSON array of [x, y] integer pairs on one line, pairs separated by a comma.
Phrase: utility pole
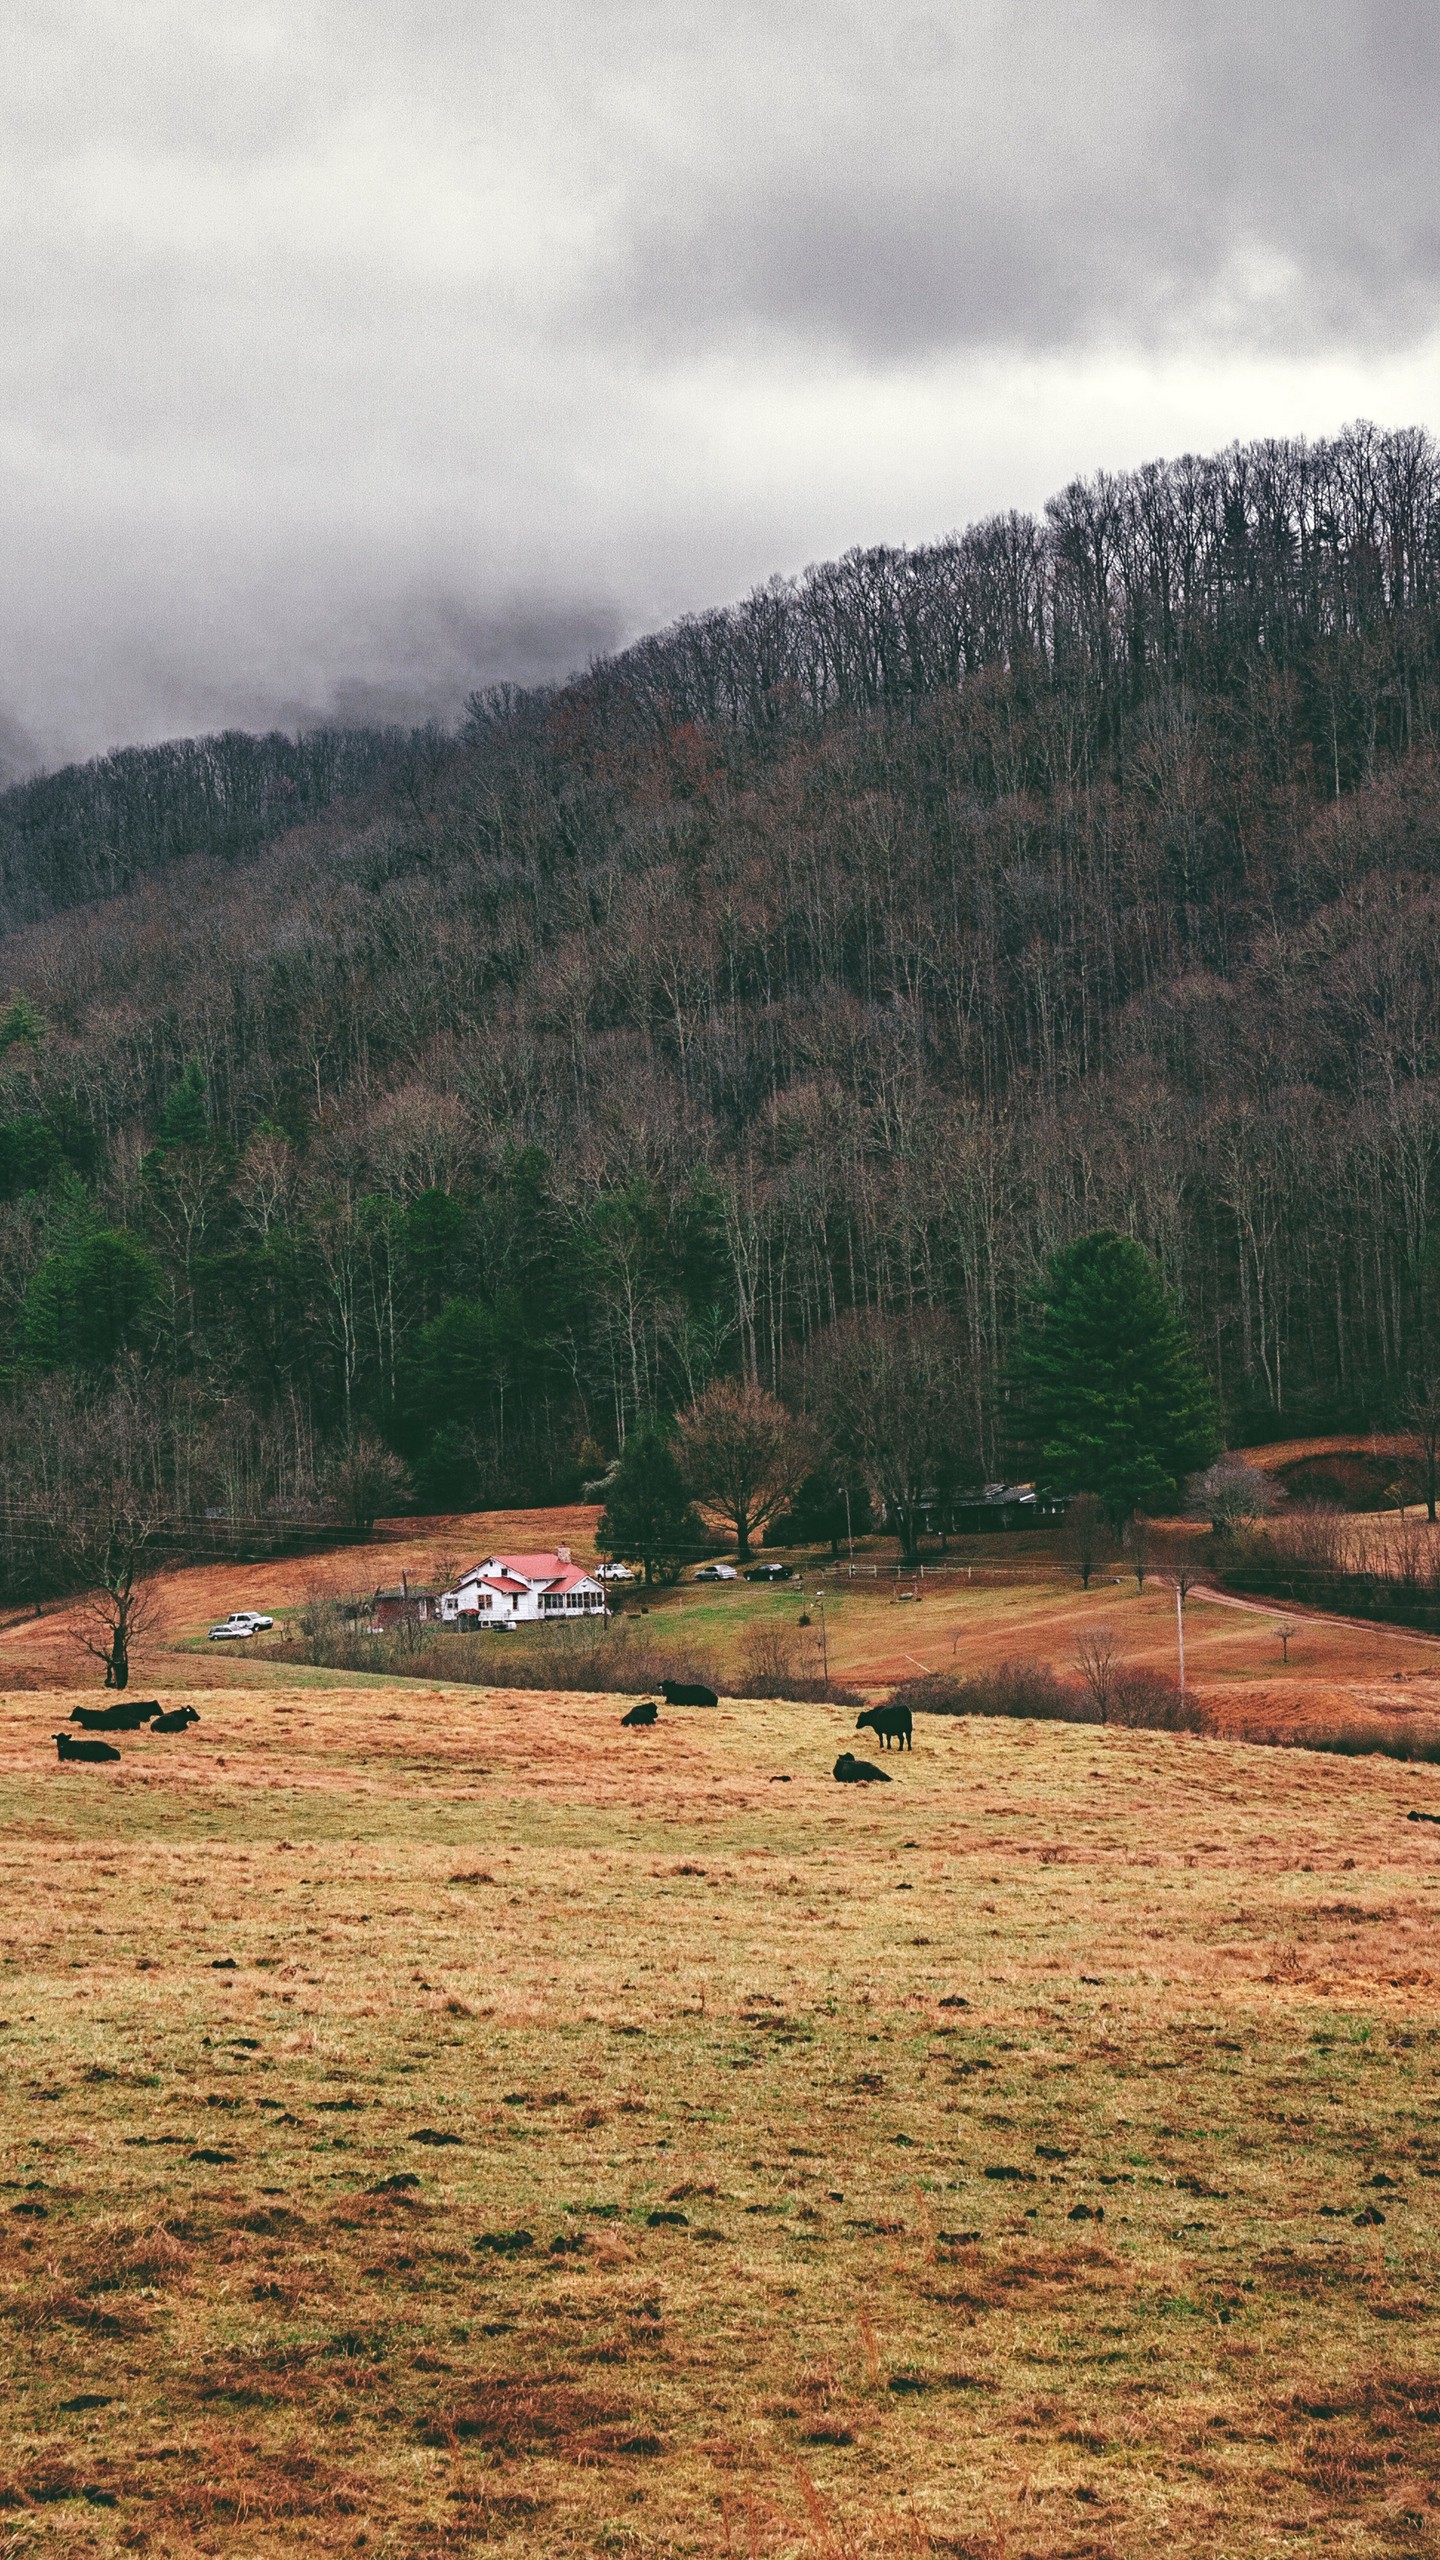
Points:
[[824, 1642], [849, 1533], [1180, 1632]]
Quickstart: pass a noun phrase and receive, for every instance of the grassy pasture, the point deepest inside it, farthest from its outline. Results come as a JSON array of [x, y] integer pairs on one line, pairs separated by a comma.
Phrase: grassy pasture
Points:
[[1035, 2159], [1003, 1595]]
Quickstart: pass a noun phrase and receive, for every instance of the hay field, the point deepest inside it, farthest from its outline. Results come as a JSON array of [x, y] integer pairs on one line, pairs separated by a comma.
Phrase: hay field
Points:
[[438, 2121]]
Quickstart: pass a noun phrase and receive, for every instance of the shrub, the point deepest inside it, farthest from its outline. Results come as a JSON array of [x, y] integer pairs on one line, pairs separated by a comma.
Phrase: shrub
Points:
[[1151, 1702], [630, 1659], [1361, 1738], [1146, 1701], [770, 1670], [1231, 1495], [1015, 1688]]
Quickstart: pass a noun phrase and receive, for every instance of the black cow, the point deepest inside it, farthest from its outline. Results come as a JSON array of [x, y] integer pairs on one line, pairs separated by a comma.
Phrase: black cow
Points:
[[69, 1747], [127, 1718], [858, 1773], [179, 1720], [687, 1693], [888, 1724], [645, 1713]]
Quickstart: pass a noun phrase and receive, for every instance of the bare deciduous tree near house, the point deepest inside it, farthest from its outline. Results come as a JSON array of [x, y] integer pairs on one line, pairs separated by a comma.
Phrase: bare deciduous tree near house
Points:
[[744, 1454], [897, 1396]]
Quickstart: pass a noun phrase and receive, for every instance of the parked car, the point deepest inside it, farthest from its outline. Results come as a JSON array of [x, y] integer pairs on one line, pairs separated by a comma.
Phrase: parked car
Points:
[[771, 1573], [717, 1573], [613, 1573], [241, 1622]]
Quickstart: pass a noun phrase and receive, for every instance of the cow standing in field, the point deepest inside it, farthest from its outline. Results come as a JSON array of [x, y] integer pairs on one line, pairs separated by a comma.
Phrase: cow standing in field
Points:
[[888, 1724], [687, 1693]]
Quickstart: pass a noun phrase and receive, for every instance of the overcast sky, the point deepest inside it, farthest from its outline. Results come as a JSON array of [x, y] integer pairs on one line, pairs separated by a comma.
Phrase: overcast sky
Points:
[[353, 352]]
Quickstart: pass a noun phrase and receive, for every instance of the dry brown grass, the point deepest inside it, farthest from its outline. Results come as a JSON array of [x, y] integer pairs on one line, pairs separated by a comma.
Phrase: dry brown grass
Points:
[[444, 2122]]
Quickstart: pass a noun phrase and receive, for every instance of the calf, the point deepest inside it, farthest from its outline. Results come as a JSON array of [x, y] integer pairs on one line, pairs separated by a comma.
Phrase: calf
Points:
[[122, 1719], [69, 1746], [645, 1713], [687, 1693], [179, 1720], [888, 1724], [858, 1773]]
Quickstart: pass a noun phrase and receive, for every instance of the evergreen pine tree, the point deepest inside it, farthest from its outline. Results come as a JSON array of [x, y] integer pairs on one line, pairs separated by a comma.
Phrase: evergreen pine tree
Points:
[[648, 1515], [184, 1119], [1113, 1401]]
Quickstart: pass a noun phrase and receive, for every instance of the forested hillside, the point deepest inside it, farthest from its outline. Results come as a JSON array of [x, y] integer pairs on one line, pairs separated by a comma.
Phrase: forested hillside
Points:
[[90, 830], [848, 950]]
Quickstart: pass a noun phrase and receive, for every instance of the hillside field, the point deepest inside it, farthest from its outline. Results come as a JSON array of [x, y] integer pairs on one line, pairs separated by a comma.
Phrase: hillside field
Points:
[[439, 2121], [997, 1597]]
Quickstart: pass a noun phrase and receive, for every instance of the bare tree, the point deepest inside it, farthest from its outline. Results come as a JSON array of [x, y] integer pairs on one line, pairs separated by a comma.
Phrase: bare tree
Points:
[[897, 1395], [369, 1480], [743, 1453], [1420, 1412], [1139, 1538], [122, 1604], [1097, 1659], [1178, 1559], [97, 1492], [1086, 1537]]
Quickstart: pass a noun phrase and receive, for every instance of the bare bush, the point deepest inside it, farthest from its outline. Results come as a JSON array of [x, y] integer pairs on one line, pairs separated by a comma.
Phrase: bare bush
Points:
[[1097, 1659], [1151, 1702], [1317, 1535], [1231, 1495], [772, 1668], [625, 1659], [1357, 1738], [331, 1633], [1016, 1688]]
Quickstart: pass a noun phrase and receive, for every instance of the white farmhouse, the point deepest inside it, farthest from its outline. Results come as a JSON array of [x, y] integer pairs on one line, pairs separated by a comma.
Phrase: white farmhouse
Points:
[[514, 1591]]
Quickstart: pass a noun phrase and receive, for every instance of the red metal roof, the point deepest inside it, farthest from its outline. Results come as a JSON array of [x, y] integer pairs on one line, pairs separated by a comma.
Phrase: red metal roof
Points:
[[540, 1569]]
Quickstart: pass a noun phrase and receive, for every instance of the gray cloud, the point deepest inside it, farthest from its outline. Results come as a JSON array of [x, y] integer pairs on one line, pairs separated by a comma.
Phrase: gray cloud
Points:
[[1039, 177], [353, 354]]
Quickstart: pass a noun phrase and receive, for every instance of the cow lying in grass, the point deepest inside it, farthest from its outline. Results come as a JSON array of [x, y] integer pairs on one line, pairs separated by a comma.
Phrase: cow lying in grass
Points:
[[687, 1693], [125, 1718], [70, 1746], [858, 1773], [179, 1720], [645, 1713], [888, 1724]]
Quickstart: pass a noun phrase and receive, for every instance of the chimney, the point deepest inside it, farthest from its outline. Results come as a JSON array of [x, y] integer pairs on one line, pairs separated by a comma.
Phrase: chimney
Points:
[[562, 1555]]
